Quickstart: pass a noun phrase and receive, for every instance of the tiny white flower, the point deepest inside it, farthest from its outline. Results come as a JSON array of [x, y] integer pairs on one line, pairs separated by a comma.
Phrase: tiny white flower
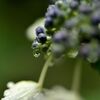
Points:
[[24, 90]]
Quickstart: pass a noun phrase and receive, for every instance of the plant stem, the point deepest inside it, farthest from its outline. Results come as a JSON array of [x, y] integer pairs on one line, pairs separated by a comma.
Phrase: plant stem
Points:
[[44, 71], [77, 76]]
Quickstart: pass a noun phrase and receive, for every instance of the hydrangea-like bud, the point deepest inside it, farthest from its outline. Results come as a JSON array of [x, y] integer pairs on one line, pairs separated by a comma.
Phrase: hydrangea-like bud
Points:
[[70, 24], [24, 90], [60, 93]]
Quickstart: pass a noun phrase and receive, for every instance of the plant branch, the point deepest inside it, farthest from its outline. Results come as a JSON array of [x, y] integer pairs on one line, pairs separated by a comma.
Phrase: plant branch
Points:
[[44, 71], [77, 76]]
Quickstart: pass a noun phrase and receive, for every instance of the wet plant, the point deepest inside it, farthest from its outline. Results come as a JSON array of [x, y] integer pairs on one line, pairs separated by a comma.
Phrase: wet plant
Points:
[[71, 28]]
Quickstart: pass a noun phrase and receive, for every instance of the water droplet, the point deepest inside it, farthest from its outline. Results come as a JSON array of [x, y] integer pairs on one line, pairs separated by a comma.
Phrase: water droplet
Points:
[[73, 53], [36, 55], [93, 57]]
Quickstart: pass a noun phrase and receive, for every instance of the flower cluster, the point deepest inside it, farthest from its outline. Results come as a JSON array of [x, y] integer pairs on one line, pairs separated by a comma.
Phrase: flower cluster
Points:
[[24, 90], [29, 90], [70, 27]]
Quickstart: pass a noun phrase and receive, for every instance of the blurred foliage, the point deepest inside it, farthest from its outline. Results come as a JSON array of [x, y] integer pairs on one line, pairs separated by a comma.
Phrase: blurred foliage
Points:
[[16, 53], [16, 59]]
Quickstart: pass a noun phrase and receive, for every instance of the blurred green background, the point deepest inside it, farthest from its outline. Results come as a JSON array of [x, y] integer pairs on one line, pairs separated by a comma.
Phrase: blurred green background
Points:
[[16, 60]]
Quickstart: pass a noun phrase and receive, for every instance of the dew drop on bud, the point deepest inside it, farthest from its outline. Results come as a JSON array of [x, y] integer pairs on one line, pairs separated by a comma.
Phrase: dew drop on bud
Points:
[[36, 55]]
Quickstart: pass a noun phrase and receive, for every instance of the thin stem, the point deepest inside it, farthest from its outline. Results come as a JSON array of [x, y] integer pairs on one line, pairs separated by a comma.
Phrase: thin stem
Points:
[[44, 71], [77, 76]]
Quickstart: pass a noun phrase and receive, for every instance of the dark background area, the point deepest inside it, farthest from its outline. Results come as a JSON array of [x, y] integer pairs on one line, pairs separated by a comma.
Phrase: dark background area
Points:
[[16, 60]]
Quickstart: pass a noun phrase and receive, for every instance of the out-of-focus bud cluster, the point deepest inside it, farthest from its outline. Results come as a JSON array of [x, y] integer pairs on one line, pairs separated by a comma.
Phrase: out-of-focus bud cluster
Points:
[[70, 26], [29, 90], [60, 93], [24, 90]]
